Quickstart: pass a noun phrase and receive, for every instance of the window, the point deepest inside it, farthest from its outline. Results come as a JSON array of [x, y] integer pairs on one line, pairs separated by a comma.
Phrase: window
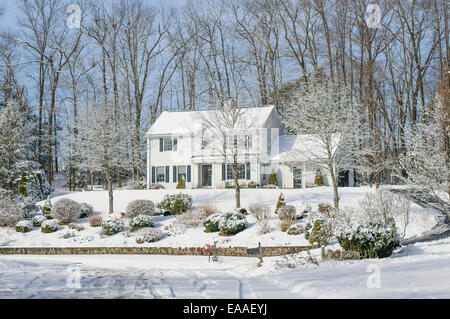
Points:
[[182, 172], [167, 144], [241, 171], [248, 141], [160, 174]]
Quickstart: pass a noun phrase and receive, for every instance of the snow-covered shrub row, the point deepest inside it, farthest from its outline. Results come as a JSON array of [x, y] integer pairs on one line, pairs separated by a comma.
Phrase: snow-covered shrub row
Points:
[[176, 203], [259, 210], [148, 235], [66, 210], [112, 225], [10, 212], [140, 207], [141, 221], [37, 220], [49, 226], [191, 219], [86, 210], [228, 223], [24, 226]]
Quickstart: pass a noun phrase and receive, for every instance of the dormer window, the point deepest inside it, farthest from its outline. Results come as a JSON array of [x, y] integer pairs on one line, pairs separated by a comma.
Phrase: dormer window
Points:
[[168, 144]]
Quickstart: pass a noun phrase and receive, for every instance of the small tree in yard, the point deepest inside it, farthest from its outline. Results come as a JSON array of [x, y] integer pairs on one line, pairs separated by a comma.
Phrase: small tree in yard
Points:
[[181, 184], [323, 109], [224, 126], [273, 179], [426, 164], [280, 202]]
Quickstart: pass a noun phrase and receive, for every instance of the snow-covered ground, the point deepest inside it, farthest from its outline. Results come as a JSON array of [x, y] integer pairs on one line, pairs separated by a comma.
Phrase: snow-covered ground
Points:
[[421, 219], [418, 271]]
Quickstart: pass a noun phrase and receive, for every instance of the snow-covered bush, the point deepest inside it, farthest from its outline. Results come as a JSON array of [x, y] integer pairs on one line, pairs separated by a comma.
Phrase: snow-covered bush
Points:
[[141, 221], [66, 234], [259, 210], [24, 226], [66, 210], [318, 228], [148, 235], [10, 212], [86, 210], [47, 209], [176, 229], [176, 203], [370, 240], [37, 220], [75, 227], [232, 223], [140, 207], [287, 212], [211, 223], [191, 219], [95, 221], [156, 186], [112, 225], [34, 185], [296, 229], [263, 227], [303, 209], [49, 226]]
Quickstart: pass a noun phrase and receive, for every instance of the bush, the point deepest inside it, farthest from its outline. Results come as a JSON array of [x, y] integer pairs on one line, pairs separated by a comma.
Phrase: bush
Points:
[[156, 186], [34, 185], [370, 240], [211, 223], [176, 203], [148, 235], [303, 209], [263, 227], [37, 220], [141, 221], [69, 233], [296, 229], [75, 227], [232, 223], [193, 218], [280, 203], [96, 221], [24, 226], [324, 208], [252, 185], [86, 210], [112, 225], [259, 210], [287, 212], [66, 210], [49, 226], [285, 224], [47, 209], [318, 229], [10, 212], [318, 179], [208, 208], [140, 207], [181, 184]]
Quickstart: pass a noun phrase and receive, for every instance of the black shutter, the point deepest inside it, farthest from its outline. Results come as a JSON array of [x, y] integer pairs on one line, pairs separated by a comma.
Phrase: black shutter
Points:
[[153, 174], [167, 174], [188, 178], [161, 141], [248, 171], [174, 174]]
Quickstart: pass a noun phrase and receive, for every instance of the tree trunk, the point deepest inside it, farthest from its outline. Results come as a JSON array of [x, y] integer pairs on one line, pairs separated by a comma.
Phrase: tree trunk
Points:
[[236, 184], [333, 178]]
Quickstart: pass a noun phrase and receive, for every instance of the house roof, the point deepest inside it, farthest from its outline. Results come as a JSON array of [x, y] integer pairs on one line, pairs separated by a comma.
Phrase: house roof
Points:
[[186, 122], [301, 148]]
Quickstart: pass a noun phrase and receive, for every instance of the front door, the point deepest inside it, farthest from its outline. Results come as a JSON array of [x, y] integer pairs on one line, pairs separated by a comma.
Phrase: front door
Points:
[[297, 177], [206, 175]]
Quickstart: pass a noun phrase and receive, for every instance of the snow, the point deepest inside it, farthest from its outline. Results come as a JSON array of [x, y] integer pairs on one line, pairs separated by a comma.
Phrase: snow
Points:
[[421, 219], [418, 271]]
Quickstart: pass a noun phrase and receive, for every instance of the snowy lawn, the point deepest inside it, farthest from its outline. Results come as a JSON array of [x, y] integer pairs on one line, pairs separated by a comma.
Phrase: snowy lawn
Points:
[[421, 219], [418, 271]]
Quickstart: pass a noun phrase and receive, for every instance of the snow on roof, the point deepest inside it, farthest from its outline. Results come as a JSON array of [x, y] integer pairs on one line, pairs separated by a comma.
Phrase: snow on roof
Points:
[[301, 148], [186, 122]]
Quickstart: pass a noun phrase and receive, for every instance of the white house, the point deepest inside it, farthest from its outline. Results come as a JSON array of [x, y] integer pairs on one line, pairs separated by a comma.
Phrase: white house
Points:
[[183, 143]]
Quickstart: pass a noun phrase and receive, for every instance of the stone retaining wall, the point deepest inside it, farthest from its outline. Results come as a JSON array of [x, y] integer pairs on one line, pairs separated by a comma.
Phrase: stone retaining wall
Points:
[[198, 251]]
